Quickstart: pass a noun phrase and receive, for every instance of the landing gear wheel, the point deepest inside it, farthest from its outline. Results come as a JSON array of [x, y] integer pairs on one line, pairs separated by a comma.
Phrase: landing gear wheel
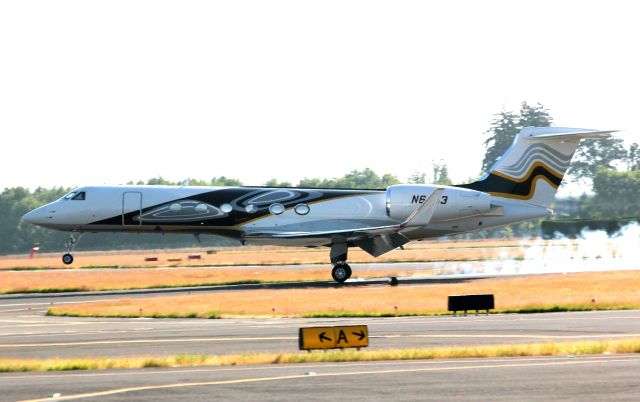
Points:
[[348, 270], [341, 272], [67, 259], [70, 244]]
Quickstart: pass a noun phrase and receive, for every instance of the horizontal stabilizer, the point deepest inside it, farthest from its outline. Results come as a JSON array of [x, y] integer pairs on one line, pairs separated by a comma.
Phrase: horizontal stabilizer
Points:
[[563, 132]]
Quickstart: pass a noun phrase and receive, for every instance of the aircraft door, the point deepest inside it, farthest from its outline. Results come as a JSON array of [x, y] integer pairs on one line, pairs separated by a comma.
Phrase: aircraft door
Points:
[[131, 208]]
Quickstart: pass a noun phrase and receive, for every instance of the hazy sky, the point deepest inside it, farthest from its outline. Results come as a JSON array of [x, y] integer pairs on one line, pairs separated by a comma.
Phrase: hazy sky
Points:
[[95, 92]]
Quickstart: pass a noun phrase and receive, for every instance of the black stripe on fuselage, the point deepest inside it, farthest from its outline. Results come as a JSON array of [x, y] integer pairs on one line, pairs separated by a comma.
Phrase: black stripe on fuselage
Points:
[[238, 198], [503, 185]]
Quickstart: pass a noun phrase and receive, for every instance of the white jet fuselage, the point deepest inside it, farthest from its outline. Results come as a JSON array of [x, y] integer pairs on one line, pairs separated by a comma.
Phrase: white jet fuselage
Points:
[[258, 215]]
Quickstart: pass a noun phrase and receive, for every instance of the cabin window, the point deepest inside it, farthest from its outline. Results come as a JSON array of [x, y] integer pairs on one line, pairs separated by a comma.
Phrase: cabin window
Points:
[[276, 209], [79, 197], [302, 209], [251, 208], [226, 208]]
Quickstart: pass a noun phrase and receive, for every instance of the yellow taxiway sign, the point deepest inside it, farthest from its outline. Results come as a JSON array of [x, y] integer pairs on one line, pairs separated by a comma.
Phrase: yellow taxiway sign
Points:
[[354, 336]]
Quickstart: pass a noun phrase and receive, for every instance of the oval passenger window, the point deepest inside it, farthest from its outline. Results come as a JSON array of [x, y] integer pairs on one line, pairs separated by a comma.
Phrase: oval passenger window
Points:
[[276, 209], [302, 209]]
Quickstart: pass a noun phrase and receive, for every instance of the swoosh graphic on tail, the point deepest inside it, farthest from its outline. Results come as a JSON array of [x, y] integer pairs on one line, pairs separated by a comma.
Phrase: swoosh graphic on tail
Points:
[[538, 152]]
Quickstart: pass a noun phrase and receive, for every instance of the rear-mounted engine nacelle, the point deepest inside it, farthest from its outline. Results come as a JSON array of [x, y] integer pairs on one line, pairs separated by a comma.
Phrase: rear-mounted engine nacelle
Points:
[[403, 199]]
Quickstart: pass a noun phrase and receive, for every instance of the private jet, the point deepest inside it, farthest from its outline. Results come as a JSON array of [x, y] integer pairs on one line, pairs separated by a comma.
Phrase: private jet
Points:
[[520, 186]]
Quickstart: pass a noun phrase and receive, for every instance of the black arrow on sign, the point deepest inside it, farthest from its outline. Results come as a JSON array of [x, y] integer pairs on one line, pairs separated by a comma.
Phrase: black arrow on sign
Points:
[[323, 337], [360, 335]]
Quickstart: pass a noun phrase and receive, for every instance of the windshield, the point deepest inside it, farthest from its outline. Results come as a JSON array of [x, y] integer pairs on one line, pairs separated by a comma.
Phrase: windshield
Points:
[[75, 195]]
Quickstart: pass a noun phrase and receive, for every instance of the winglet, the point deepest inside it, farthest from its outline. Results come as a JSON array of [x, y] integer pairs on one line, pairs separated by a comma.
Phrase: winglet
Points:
[[422, 215]]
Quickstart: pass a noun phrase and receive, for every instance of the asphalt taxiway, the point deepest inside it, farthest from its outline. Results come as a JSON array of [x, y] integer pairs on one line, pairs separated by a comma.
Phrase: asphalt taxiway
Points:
[[25, 332], [612, 377]]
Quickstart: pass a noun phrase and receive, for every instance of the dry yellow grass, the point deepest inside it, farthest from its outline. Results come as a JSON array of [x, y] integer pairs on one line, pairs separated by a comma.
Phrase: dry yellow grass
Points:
[[103, 279], [620, 289], [423, 251], [486, 351]]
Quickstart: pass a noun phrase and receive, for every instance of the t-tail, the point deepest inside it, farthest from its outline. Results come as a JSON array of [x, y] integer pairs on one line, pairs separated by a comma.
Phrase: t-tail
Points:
[[534, 166]]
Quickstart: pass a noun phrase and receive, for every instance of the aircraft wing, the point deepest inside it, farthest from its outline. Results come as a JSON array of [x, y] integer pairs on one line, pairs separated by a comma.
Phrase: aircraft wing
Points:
[[374, 240]]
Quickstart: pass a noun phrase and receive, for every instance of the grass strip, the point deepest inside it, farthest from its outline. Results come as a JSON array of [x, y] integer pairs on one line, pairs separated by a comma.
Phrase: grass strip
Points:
[[170, 286], [53, 311], [524, 310], [617, 346]]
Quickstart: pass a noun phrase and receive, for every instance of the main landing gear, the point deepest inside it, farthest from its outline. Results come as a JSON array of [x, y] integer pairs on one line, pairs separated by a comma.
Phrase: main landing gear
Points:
[[69, 244], [341, 270]]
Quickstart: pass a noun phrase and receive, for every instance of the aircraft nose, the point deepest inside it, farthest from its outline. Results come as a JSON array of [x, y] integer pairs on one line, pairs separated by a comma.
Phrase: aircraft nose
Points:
[[38, 216]]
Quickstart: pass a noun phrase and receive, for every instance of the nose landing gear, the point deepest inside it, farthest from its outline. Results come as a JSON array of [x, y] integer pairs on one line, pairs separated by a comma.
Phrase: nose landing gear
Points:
[[69, 244], [67, 259]]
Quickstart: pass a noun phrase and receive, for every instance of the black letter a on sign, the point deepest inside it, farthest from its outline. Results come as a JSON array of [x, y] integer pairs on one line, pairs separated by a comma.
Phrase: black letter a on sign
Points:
[[342, 337]]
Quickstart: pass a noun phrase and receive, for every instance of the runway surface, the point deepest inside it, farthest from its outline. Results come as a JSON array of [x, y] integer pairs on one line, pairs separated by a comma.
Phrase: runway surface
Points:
[[25, 332], [612, 377]]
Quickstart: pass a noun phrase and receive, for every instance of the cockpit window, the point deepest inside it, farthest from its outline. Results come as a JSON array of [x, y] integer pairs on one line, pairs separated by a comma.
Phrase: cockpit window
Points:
[[69, 196], [79, 197]]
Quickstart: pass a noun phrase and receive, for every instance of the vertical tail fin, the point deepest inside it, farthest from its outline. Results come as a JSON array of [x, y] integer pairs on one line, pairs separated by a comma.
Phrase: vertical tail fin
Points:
[[534, 166]]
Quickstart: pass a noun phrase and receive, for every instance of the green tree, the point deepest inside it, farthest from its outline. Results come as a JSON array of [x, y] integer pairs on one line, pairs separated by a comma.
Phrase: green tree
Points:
[[504, 128], [533, 116], [317, 183], [275, 183], [366, 178], [595, 154], [417, 178], [224, 181], [633, 157], [160, 181], [616, 194], [506, 125], [15, 235], [441, 174]]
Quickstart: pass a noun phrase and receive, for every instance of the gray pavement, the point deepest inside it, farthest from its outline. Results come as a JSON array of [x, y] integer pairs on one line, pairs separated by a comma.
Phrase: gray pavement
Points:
[[612, 377], [28, 333]]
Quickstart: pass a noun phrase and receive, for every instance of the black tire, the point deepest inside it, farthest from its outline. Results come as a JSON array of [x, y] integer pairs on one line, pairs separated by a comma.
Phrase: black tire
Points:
[[67, 259], [341, 272], [349, 272]]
